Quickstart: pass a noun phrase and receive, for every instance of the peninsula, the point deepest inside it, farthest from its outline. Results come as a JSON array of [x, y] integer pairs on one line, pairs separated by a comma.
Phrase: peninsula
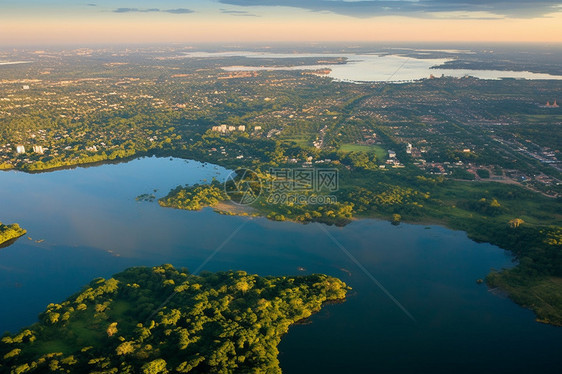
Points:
[[163, 319]]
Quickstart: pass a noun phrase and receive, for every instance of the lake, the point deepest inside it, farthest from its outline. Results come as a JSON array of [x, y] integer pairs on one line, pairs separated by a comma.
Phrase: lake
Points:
[[373, 67], [14, 62], [85, 223]]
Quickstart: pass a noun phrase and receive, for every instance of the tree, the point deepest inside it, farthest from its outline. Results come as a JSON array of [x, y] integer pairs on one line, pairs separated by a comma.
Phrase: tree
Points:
[[125, 348], [154, 367], [53, 318], [515, 223], [112, 329], [242, 286]]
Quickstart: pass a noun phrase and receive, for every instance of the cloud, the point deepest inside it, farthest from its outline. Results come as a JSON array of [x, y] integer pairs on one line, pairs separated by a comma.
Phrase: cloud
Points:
[[238, 13], [179, 11], [153, 10], [135, 10], [419, 8]]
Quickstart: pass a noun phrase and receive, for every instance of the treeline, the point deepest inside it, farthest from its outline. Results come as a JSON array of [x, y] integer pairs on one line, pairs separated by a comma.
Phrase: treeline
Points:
[[535, 281], [162, 319]]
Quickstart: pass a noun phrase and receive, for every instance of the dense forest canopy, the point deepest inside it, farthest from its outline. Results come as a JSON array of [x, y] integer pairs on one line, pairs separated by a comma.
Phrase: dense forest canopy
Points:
[[163, 319]]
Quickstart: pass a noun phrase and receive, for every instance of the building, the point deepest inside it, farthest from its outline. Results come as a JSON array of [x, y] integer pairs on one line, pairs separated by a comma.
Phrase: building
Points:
[[391, 154], [20, 149], [241, 128], [409, 148], [38, 149], [221, 128], [25, 87], [257, 128]]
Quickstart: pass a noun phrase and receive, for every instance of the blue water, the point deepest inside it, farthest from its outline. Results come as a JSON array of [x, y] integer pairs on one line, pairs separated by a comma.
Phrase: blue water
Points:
[[92, 226]]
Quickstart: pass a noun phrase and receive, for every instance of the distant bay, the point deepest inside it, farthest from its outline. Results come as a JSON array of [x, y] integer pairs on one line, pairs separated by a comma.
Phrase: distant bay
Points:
[[373, 67]]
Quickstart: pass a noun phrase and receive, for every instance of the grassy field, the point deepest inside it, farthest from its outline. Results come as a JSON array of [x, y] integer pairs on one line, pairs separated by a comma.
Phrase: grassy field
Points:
[[379, 151], [301, 140]]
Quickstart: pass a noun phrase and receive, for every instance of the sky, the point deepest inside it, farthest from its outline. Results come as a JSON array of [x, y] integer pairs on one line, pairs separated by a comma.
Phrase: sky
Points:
[[54, 22]]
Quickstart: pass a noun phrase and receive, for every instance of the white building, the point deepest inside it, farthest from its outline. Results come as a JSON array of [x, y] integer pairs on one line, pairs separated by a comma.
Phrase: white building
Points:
[[391, 154], [241, 128], [409, 148], [38, 149], [20, 149], [221, 128]]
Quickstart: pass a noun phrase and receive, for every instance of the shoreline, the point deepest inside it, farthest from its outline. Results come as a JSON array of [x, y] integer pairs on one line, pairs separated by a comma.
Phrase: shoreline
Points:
[[472, 228], [9, 242]]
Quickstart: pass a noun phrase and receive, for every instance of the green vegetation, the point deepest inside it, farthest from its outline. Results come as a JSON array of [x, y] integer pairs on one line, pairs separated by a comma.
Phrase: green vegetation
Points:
[[162, 319], [542, 295], [10, 232], [194, 197], [146, 198], [379, 151], [483, 173], [268, 204], [462, 174], [536, 282]]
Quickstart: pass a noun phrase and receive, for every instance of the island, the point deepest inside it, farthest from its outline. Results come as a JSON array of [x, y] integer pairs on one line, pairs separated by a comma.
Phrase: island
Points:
[[8, 233], [164, 319]]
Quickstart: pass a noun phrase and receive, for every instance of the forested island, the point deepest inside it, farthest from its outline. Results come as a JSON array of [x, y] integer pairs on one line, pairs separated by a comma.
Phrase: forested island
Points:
[[163, 319], [10, 232]]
